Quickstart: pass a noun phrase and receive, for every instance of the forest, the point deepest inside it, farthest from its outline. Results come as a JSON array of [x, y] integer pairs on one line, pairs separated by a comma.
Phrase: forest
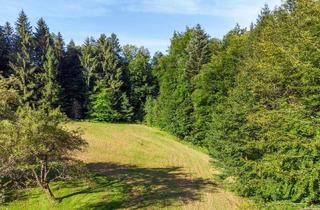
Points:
[[252, 99]]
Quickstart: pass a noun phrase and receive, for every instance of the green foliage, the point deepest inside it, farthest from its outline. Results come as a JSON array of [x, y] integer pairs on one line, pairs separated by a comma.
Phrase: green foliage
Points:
[[266, 132], [89, 61], [252, 98], [51, 89], [176, 73], [140, 79], [101, 105], [23, 66], [34, 142], [255, 104], [72, 83]]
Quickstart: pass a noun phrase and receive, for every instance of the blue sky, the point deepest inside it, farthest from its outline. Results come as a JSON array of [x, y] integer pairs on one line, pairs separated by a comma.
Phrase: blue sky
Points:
[[150, 23]]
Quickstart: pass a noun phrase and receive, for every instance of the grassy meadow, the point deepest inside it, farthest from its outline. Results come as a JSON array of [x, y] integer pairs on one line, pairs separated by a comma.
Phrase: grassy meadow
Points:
[[135, 167]]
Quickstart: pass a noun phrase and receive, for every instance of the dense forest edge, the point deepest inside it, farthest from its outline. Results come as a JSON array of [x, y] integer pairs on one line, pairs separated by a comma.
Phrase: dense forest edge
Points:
[[252, 99]]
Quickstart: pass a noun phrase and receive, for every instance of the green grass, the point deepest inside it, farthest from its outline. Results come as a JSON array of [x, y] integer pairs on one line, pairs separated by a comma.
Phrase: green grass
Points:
[[135, 167]]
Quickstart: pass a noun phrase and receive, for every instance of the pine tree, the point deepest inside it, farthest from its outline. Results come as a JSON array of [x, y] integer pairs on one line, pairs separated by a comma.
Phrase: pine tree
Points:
[[58, 44]]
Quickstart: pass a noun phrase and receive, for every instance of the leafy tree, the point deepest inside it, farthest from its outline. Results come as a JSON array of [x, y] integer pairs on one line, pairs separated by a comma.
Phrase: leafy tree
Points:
[[140, 79], [36, 143], [215, 80], [101, 105], [265, 133]]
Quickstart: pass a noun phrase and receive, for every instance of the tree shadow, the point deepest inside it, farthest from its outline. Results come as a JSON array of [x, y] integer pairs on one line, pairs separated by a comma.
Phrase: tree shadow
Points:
[[144, 187]]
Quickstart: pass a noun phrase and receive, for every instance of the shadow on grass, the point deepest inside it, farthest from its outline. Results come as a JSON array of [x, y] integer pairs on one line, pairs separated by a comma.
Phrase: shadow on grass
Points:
[[144, 187], [113, 186]]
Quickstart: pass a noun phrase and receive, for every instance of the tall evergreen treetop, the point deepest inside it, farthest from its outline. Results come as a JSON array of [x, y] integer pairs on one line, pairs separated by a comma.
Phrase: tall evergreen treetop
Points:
[[198, 51], [43, 40], [23, 30]]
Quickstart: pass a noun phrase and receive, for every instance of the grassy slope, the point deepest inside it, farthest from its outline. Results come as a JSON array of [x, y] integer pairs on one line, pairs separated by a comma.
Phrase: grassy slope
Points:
[[136, 167]]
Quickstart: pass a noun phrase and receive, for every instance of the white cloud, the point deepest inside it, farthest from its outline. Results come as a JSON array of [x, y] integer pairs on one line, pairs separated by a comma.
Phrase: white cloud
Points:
[[242, 11]]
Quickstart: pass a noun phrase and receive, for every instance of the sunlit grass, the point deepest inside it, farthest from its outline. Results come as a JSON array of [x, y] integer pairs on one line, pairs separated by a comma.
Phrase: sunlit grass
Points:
[[136, 167]]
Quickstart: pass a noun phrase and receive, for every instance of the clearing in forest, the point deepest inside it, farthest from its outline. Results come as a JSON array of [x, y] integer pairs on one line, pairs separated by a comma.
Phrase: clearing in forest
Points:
[[136, 167]]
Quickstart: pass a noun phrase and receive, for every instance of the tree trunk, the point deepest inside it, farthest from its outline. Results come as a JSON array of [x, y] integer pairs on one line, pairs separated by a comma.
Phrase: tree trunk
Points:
[[43, 180], [47, 190]]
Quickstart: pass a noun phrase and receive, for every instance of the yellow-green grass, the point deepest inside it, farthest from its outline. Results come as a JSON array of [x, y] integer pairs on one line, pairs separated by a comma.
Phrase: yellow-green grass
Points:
[[136, 167]]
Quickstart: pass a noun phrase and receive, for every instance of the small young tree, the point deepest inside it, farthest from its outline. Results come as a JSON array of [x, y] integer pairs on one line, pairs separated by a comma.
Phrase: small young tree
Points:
[[38, 142]]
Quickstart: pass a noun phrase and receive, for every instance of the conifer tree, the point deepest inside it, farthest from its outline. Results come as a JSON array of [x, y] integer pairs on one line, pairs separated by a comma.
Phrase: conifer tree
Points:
[[3, 53], [23, 66], [43, 40], [109, 85], [51, 89], [89, 61], [6, 49], [72, 83], [198, 50]]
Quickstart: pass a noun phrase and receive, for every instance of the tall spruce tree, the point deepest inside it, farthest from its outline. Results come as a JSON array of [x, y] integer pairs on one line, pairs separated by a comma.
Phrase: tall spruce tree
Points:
[[108, 92], [23, 66], [89, 62], [7, 48], [72, 83], [51, 90], [42, 41]]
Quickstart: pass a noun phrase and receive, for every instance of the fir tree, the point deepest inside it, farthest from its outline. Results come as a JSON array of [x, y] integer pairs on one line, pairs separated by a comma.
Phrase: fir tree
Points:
[[23, 66], [89, 61], [43, 40], [51, 89], [6, 49], [72, 83]]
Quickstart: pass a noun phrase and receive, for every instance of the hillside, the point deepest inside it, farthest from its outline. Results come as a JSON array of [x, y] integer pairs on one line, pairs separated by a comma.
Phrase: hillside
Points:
[[136, 167]]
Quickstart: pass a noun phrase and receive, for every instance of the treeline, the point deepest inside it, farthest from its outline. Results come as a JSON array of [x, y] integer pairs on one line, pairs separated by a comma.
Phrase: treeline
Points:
[[99, 80], [253, 99]]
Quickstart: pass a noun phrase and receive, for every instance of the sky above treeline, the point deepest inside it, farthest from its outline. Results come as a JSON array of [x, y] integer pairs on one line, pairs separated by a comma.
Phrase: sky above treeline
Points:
[[148, 23]]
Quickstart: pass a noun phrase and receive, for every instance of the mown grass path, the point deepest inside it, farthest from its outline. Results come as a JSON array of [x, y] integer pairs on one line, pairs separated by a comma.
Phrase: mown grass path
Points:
[[137, 167]]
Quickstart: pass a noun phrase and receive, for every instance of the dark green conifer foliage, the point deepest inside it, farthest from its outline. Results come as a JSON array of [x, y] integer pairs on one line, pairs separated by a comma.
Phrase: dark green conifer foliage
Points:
[[89, 62], [51, 90], [6, 48], [108, 90], [43, 40], [72, 83], [23, 66], [3, 53]]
